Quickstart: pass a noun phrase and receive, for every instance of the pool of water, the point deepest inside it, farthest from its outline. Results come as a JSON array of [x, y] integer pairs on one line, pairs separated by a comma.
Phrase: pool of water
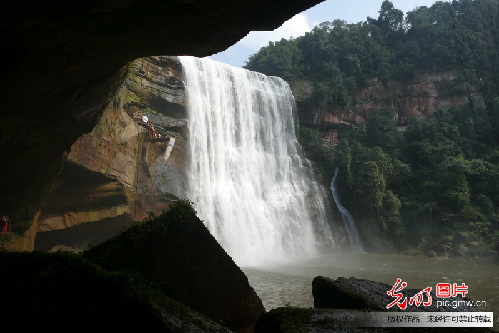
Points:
[[290, 283]]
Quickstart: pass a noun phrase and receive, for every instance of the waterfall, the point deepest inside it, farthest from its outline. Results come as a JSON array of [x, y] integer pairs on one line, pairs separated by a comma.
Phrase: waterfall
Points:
[[169, 149], [348, 220], [250, 186]]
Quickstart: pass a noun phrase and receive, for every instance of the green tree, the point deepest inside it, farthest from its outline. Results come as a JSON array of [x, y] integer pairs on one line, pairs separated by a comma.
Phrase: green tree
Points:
[[372, 185], [391, 214], [281, 59], [381, 129], [390, 21], [343, 159]]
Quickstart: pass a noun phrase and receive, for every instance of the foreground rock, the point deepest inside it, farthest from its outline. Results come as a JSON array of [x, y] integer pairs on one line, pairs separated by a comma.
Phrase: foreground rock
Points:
[[177, 253], [62, 292]]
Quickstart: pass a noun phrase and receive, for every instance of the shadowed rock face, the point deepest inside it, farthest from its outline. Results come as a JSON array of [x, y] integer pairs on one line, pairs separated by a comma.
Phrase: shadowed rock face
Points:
[[177, 253], [64, 60], [115, 174]]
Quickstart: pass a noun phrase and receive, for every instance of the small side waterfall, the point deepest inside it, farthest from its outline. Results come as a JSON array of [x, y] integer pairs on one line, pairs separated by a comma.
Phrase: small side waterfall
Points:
[[169, 149], [250, 186], [350, 225]]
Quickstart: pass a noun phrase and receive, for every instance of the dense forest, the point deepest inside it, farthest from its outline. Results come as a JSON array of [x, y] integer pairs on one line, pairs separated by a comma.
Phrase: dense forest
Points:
[[437, 177]]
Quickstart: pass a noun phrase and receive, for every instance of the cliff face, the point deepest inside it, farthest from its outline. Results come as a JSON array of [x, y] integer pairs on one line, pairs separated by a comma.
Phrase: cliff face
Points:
[[115, 174], [427, 93], [66, 59]]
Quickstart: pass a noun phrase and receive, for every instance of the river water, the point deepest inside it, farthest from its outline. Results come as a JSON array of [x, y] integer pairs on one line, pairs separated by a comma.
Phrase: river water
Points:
[[290, 284]]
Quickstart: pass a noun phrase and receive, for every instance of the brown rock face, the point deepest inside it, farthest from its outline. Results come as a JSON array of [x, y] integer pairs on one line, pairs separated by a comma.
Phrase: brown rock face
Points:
[[115, 174], [65, 61], [417, 99]]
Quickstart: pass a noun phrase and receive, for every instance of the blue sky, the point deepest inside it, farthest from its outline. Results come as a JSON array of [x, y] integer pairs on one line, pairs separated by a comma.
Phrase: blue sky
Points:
[[352, 11]]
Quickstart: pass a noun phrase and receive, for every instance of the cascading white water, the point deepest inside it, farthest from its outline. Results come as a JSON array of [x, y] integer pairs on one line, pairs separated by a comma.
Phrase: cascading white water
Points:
[[169, 149], [251, 188], [348, 220]]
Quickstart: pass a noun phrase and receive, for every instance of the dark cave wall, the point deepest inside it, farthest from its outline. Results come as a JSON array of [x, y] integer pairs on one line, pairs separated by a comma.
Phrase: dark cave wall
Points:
[[65, 60]]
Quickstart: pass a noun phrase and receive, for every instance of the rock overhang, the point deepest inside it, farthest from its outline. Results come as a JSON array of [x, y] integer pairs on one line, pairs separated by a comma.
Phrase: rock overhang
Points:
[[64, 60]]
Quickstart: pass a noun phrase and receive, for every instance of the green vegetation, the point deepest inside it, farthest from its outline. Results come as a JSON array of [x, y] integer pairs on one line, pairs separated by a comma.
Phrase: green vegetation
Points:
[[440, 175], [432, 180], [339, 57], [436, 178]]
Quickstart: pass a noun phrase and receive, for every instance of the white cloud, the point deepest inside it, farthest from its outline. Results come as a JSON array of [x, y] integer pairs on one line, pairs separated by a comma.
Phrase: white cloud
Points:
[[294, 27]]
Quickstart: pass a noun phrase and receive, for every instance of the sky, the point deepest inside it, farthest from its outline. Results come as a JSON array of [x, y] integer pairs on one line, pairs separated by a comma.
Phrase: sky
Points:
[[352, 11]]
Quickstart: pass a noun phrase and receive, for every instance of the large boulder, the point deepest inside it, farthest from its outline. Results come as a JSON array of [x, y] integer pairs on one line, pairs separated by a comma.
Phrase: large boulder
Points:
[[176, 252]]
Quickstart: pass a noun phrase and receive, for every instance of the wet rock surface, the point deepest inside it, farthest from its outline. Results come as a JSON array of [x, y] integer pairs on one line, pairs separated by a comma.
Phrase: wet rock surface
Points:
[[463, 245]]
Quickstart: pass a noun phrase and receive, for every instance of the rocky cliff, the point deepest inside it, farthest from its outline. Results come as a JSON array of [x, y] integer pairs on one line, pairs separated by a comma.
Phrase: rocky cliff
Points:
[[116, 174], [65, 60], [427, 93]]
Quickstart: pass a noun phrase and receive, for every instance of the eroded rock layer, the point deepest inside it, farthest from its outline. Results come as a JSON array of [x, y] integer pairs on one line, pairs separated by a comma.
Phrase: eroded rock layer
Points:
[[420, 98], [116, 174]]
